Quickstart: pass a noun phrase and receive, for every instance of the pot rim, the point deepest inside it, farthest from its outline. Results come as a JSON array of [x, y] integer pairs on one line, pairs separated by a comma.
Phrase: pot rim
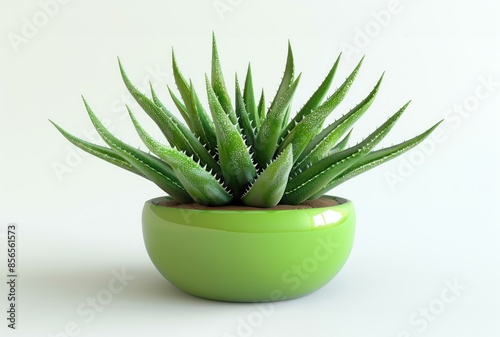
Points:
[[156, 202], [252, 221]]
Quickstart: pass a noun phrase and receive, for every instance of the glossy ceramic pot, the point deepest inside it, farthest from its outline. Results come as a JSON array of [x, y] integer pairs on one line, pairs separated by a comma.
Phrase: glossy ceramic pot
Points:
[[248, 255]]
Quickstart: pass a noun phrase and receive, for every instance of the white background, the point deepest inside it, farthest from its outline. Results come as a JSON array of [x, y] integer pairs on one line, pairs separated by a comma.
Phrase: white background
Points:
[[424, 220]]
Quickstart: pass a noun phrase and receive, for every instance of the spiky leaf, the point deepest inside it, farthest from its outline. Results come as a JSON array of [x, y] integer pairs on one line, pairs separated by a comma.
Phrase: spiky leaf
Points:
[[249, 99], [102, 152], [311, 181], [179, 105], [201, 185], [261, 108], [268, 188], [235, 160], [202, 126], [270, 130], [218, 84], [342, 145], [374, 159], [243, 117], [287, 79], [175, 131], [206, 123], [320, 145], [302, 133], [152, 168], [315, 100]]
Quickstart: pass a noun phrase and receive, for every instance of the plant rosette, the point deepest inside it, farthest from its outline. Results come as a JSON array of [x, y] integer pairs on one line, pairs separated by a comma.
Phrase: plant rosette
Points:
[[246, 218]]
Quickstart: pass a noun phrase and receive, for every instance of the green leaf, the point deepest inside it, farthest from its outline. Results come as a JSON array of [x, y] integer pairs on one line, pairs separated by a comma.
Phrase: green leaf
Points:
[[202, 126], [168, 124], [315, 99], [206, 123], [261, 109], [152, 168], [286, 119], [181, 83], [374, 159], [192, 117], [287, 79], [249, 99], [235, 160], [341, 146], [243, 117], [320, 145], [270, 130], [160, 117], [201, 185], [268, 188], [219, 85], [177, 134], [180, 106], [312, 122], [102, 152], [310, 181]]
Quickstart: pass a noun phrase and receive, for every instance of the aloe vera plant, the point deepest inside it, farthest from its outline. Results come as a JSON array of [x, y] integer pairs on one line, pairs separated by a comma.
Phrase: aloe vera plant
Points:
[[242, 151]]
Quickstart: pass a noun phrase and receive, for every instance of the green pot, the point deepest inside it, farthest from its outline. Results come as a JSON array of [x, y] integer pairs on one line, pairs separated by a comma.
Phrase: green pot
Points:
[[248, 255]]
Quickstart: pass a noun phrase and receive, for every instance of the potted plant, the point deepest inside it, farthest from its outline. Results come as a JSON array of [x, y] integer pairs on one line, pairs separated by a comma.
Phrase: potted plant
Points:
[[246, 217]]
